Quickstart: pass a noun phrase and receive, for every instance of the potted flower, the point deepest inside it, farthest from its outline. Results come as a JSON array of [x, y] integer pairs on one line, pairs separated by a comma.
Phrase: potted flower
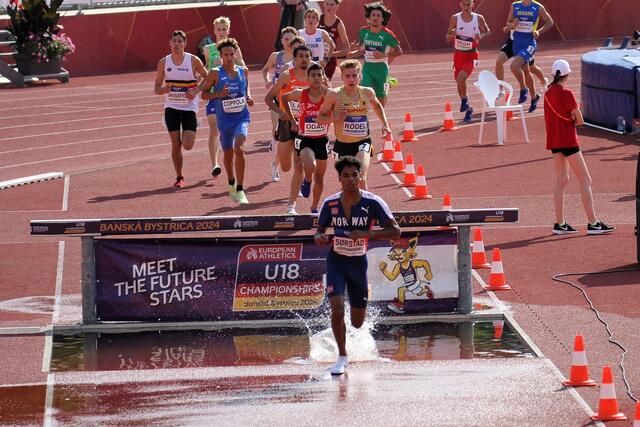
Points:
[[40, 44]]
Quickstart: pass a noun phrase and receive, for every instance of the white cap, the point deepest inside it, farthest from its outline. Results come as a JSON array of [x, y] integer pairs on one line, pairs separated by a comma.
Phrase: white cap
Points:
[[562, 66]]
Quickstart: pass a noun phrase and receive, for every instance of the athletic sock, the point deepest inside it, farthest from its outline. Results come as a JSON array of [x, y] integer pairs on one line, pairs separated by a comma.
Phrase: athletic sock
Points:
[[232, 181], [239, 188]]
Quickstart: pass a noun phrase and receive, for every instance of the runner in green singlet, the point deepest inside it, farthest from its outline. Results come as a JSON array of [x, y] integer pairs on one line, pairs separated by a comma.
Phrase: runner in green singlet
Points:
[[380, 46]]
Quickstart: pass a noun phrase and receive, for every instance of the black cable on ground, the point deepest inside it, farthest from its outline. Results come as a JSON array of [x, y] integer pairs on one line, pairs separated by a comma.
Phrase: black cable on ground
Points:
[[557, 278]]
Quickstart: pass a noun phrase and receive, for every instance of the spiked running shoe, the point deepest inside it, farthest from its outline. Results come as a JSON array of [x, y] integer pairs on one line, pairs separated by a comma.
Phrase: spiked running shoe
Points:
[[179, 182], [241, 198], [524, 95], [305, 188], [275, 173], [216, 171], [534, 104], [233, 193], [291, 209], [467, 116], [464, 105]]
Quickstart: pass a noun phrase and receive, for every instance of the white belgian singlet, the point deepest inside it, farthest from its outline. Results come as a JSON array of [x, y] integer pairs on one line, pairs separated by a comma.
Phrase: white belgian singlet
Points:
[[181, 78]]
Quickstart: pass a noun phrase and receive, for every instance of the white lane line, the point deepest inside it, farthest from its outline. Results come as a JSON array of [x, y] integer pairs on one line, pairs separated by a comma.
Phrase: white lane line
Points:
[[65, 193], [21, 385], [58, 289], [396, 179], [48, 347], [48, 401]]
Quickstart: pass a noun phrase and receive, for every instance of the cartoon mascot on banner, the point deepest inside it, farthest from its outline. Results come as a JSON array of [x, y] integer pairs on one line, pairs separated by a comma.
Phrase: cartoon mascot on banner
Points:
[[403, 253]]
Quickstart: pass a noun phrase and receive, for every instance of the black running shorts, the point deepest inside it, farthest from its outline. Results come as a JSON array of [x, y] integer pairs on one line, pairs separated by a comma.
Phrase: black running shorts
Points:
[[176, 119]]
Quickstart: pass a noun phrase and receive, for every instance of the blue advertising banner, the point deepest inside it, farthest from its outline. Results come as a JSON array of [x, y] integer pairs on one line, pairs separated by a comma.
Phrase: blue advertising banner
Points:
[[264, 278]]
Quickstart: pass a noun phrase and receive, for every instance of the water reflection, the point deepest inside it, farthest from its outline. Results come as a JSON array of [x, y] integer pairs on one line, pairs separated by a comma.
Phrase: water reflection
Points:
[[241, 347]]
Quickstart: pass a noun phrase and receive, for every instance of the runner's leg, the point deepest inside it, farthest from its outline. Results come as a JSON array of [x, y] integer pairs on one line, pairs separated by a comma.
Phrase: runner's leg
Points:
[[562, 179], [318, 182], [579, 167]]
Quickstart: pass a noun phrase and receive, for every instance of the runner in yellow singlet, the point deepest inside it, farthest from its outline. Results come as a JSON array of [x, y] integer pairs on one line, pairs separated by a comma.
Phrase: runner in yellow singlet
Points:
[[348, 108]]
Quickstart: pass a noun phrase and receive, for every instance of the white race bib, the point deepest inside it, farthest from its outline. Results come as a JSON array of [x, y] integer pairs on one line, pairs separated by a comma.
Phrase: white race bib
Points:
[[524, 27], [234, 105], [356, 126], [463, 43], [313, 129], [178, 95], [295, 108], [349, 247], [369, 57]]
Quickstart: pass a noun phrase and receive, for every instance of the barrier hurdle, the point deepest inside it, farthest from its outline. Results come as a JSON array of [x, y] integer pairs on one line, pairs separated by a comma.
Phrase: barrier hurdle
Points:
[[89, 229]]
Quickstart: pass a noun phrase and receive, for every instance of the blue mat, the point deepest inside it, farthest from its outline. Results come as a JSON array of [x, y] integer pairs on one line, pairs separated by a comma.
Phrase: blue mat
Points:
[[611, 86]]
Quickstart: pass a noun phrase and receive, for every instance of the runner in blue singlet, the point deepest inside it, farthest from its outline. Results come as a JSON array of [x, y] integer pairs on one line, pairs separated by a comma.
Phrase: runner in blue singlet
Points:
[[352, 214]]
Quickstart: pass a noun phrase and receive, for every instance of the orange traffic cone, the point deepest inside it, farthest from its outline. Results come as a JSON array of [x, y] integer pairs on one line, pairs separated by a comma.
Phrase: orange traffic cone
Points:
[[498, 328], [446, 206], [422, 192], [608, 406], [510, 116], [387, 149], [408, 135], [409, 172], [636, 422], [398, 162], [579, 372], [448, 119], [497, 281], [478, 256]]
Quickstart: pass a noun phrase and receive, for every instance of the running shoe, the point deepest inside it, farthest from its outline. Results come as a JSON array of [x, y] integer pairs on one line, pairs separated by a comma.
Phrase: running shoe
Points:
[[179, 182], [340, 366], [599, 228], [563, 229], [233, 193], [392, 81], [275, 173], [216, 171], [524, 95], [467, 115], [305, 188], [291, 209], [464, 105], [241, 198], [534, 104]]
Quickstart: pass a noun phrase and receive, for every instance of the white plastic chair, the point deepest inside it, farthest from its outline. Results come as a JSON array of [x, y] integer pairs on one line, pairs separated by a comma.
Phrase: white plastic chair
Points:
[[489, 86]]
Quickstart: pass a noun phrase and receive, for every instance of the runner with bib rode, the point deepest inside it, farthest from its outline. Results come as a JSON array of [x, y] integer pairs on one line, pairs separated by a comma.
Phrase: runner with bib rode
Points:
[[311, 144], [232, 97], [318, 40], [180, 76], [506, 53], [379, 46], [348, 108], [293, 78], [352, 213], [221, 28], [333, 25], [466, 28], [524, 18]]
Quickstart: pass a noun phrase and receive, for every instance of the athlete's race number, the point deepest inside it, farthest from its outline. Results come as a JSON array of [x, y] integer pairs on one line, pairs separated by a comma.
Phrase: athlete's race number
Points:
[[366, 147], [297, 143]]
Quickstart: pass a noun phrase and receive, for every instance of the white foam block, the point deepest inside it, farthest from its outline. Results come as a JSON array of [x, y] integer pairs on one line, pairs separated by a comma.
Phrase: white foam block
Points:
[[30, 179]]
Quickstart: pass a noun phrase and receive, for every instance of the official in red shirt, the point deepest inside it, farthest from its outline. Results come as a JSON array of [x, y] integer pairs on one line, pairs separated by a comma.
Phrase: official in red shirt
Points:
[[561, 116]]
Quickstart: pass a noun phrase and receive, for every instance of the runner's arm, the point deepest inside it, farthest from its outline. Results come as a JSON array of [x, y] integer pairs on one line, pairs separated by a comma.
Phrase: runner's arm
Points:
[[344, 38], [266, 70], [484, 28], [394, 52], [209, 82], [578, 120], [291, 96], [511, 21], [451, 32], [548, 22], [198, 66], [325, 116], [159, 89], [378, 109], [249, 97], [332, 47], [239, 58], [273, 93], [205, 52]]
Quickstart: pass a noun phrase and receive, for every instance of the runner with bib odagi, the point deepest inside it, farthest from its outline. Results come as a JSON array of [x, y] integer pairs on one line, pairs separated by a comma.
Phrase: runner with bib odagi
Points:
[[311, 144], [524, 18], [232, 95], [333, 25], [221, 28], [176, 78], [351, 213], [348, 107], [466, 28], [270, 73], [291, 79], [319, 41], [380, 47]]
